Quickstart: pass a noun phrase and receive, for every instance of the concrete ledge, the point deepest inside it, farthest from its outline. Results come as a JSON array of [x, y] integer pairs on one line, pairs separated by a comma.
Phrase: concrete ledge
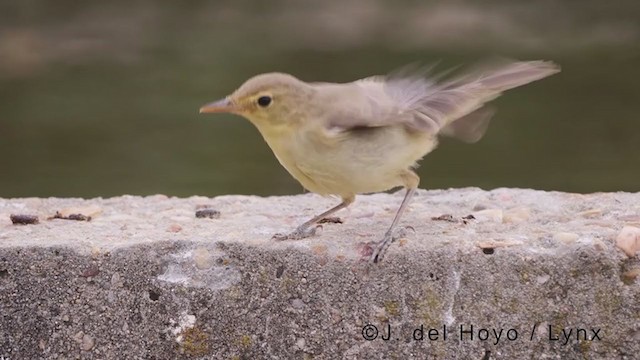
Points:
[[534, 274]]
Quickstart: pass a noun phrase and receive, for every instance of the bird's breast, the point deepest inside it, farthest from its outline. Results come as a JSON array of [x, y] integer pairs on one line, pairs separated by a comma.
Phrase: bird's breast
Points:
[[349, 162], [285, 143]]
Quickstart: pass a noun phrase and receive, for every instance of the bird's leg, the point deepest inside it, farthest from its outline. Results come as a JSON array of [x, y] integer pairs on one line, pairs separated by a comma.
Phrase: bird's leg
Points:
[[384, 244], [411, 183], [307, 229]]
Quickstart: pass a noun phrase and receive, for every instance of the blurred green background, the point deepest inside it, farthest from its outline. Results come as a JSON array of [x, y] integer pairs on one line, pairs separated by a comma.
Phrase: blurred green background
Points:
[[102, 98]]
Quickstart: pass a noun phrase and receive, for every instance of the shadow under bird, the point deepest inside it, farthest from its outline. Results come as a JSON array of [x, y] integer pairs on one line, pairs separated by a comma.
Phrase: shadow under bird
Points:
[[366, 136]]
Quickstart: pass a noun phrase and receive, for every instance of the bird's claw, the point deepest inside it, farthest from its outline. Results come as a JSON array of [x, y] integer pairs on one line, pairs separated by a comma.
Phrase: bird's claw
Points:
[[383, 245], [381, 248], [403, 232], [298, 234]]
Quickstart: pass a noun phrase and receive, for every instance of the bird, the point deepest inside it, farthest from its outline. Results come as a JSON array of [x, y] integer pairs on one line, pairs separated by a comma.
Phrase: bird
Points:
[[367, 136]]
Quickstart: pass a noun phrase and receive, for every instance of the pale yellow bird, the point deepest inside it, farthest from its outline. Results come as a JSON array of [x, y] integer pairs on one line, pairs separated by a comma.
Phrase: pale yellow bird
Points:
[[366, 136]]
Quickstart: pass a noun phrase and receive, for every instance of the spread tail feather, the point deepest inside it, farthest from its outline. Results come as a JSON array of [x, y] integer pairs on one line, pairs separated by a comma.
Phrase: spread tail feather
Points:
[[465, 96], [507, 76], [471, 127]]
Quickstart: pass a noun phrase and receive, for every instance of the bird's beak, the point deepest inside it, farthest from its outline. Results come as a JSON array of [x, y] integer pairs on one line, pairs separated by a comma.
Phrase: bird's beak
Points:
[[221, 106]]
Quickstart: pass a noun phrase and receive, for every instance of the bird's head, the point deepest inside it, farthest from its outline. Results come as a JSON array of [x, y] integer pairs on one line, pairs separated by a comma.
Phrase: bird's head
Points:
[[265, 100]]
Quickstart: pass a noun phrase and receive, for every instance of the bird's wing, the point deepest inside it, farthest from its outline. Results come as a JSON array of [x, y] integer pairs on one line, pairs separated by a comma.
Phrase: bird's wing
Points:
[[452, 107]]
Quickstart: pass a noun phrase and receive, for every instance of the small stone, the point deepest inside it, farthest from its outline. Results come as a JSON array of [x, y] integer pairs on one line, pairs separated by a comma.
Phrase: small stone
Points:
[[365, 250], [542, 279], [516, 215], [444, 217], [65, 318], [21, 219], [297, 303], [631, 275], [115, 280], [300, 343], [380, 313], [174, 228], [87, 342], [78, 336], [76, 217], [599, 245], [87, 211], [90, 271], [565, 237], [629, 240], [330, 220], [207, 213], [203, 259], [336, 316], [493, 215], [541, 333]]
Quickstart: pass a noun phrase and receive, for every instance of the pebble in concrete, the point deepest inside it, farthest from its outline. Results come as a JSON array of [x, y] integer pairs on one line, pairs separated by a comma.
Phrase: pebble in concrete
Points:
[[629, 240]]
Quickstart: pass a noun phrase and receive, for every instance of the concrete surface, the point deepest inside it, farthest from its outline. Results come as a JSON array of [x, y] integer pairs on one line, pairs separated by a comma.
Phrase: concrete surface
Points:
[[533, 275]]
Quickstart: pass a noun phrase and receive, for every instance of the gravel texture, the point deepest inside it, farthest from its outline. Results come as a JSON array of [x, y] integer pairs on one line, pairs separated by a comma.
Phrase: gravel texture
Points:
[[500, 274]]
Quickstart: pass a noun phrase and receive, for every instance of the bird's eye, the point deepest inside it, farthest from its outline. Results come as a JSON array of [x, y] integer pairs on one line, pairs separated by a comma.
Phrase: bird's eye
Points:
[[264, 101]]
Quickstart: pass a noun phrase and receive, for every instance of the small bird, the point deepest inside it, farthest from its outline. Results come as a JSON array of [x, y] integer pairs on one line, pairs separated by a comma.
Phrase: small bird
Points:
[[366, 136]]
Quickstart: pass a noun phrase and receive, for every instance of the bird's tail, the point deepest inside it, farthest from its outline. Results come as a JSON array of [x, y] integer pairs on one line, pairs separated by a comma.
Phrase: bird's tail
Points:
[[501, 77], [469, 118]]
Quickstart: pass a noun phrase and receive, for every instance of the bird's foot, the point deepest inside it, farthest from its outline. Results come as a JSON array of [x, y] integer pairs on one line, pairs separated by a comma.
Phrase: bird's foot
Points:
[[403, 232], [298, 234], [389, 238]]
